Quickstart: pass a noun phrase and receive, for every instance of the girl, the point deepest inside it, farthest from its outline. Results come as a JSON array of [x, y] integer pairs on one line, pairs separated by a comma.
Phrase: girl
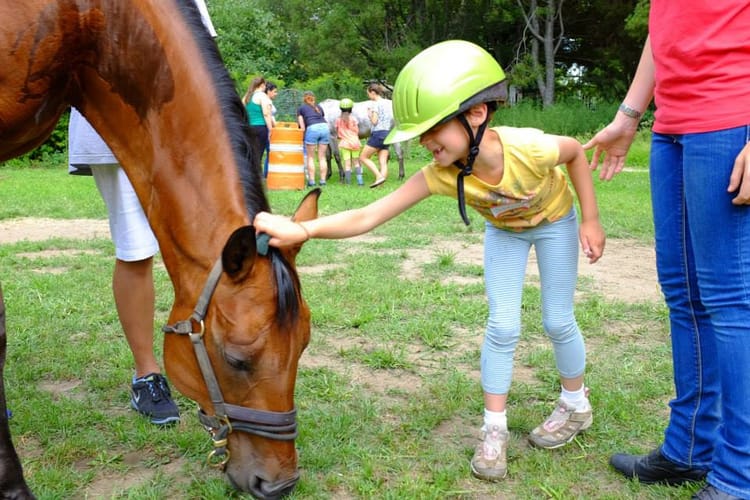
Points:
[[347, 131], [381, 118], [510, 177], [312, 121]]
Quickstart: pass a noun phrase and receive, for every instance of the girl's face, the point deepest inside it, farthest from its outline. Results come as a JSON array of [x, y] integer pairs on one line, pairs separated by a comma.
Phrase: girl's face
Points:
[[447, 142]]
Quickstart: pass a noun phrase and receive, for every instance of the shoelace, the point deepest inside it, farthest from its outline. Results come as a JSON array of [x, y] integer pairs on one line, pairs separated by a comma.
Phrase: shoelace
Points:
[[157, 389]]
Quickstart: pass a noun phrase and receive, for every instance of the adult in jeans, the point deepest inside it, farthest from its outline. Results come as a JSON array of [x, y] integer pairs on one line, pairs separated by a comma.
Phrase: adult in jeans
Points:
[[696, 65], [132, 280]]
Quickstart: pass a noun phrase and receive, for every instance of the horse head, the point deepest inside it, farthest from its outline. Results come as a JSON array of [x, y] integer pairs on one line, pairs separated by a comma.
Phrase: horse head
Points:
[[246, 341], [149, 78]]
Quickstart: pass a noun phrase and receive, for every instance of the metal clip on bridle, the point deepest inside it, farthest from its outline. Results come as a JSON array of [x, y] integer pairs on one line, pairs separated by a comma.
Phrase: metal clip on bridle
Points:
[[280, 426]]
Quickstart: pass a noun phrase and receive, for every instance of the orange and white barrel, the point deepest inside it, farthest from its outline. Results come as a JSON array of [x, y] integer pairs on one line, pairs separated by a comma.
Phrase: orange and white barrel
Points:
[[286, 157]]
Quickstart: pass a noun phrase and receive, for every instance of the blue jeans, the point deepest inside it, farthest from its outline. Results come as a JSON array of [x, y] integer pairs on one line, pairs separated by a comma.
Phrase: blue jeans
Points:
[[703, 263], [505, 256]]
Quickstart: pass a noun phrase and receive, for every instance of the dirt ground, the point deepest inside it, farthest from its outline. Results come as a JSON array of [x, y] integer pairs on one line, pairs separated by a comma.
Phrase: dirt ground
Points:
[[626, 272]]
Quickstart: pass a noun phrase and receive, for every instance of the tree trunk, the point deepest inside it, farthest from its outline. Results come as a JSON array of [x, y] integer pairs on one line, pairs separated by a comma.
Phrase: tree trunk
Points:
[[534, 17]]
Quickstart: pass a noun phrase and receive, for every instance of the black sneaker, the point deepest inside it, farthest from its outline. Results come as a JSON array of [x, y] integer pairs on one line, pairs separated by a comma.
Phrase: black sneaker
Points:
[[151, 397]]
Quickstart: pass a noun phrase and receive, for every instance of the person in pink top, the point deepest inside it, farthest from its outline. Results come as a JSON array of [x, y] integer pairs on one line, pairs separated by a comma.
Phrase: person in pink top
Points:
[[347, 131], [696, 66]]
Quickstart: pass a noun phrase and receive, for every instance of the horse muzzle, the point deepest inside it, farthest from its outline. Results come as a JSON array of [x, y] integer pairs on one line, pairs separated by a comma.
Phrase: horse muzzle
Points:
[[262, 488]]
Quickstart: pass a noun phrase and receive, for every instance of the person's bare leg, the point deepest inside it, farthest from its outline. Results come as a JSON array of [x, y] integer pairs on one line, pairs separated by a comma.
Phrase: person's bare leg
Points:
[[383, 160], [364, 157], [310, 163], [323, 162], [133, 287]]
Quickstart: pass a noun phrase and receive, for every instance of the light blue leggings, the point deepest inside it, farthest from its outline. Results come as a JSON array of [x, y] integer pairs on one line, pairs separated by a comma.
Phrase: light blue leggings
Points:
[[505, 257]]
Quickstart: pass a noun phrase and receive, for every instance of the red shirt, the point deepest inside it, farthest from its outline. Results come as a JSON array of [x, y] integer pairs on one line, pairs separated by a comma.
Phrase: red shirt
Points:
[[701, 54]]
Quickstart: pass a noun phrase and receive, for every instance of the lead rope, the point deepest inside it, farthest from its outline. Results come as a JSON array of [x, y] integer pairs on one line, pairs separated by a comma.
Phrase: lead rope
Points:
[[466, 169]]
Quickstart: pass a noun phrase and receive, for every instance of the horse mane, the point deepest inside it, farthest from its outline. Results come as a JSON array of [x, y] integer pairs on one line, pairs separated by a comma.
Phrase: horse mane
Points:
[[286, 279]]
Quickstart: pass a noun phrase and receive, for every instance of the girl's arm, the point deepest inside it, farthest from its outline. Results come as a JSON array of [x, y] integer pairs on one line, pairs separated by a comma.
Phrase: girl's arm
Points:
[[591, 232], [300, 121], [373, 115], [286, 233]]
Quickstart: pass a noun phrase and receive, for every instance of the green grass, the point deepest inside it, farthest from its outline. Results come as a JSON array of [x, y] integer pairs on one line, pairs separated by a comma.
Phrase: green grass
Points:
[[388, 394]]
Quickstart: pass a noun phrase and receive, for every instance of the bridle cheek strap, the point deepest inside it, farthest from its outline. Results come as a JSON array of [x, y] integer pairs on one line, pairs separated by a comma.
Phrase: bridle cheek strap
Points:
[[281, 426]]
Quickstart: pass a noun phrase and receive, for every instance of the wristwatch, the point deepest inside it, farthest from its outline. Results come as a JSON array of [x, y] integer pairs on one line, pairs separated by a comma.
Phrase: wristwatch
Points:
[[628, 111]]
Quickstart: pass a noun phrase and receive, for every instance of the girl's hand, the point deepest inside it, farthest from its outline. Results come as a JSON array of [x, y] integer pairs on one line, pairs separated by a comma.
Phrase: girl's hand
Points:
[[740, 178], [592, 239], [283, 231]]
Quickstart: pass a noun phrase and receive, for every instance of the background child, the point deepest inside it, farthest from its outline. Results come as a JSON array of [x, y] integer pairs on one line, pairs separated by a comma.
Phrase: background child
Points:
[[347, 132], [510, 176]]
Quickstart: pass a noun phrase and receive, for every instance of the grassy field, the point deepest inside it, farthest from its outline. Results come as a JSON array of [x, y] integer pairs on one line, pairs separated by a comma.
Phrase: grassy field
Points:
[[388, 394]]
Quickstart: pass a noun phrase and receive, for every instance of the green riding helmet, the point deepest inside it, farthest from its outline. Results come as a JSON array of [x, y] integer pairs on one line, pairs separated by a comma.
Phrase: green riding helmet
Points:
[[440, 82], [346, 104]]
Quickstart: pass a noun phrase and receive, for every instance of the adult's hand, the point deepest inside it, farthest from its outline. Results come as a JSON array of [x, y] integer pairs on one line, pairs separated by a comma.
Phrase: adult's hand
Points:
[[740, 179], [613, 141]]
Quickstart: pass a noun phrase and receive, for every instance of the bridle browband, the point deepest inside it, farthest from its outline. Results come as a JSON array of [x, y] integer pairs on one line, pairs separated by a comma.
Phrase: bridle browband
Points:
[[280, 426]]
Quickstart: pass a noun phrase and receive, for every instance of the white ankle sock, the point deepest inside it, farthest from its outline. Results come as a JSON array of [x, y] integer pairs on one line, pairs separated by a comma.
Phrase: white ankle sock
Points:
[[497, 418], [576, 399]]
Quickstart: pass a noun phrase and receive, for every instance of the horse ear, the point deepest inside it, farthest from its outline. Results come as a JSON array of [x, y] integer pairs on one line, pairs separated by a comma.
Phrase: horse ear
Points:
[[308, 207], [239, 252], [307, 210]]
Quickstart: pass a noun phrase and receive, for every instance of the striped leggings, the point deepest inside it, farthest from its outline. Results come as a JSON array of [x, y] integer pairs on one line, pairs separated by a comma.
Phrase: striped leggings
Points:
[[505, 258]]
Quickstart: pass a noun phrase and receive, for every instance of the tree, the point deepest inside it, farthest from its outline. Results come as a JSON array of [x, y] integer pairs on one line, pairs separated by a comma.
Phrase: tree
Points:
[[252, 41], [540, 23], [536, 42], [609, 55]]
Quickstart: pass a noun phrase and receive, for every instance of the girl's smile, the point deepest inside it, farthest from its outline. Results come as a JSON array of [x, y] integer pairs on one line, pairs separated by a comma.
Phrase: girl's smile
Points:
[[446, 142]]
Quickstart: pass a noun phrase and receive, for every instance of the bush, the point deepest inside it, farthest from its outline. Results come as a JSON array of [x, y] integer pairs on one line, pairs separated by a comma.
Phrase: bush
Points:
[[53, 148], [335, 86], [572, 117]]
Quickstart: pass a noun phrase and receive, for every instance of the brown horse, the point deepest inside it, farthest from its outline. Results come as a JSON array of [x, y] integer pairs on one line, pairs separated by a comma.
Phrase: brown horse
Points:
[[148, 77]]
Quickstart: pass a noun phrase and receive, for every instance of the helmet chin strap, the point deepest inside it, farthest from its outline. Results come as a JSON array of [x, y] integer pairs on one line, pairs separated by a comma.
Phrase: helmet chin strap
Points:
[[466, 169]]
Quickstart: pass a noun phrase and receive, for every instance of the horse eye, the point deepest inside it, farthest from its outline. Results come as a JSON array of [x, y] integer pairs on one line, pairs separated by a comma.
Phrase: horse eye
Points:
[[238, 364]]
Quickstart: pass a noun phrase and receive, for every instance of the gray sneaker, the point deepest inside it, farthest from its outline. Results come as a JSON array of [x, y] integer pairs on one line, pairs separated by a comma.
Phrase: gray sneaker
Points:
[[490, 459], [150, 396], [562, 426]]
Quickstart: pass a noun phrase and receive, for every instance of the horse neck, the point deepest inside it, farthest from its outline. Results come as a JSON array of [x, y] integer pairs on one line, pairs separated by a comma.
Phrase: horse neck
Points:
[[156, 104]]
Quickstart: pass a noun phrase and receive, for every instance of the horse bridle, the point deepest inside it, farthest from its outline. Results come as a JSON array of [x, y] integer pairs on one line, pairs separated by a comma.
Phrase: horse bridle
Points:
[[280, 426]]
